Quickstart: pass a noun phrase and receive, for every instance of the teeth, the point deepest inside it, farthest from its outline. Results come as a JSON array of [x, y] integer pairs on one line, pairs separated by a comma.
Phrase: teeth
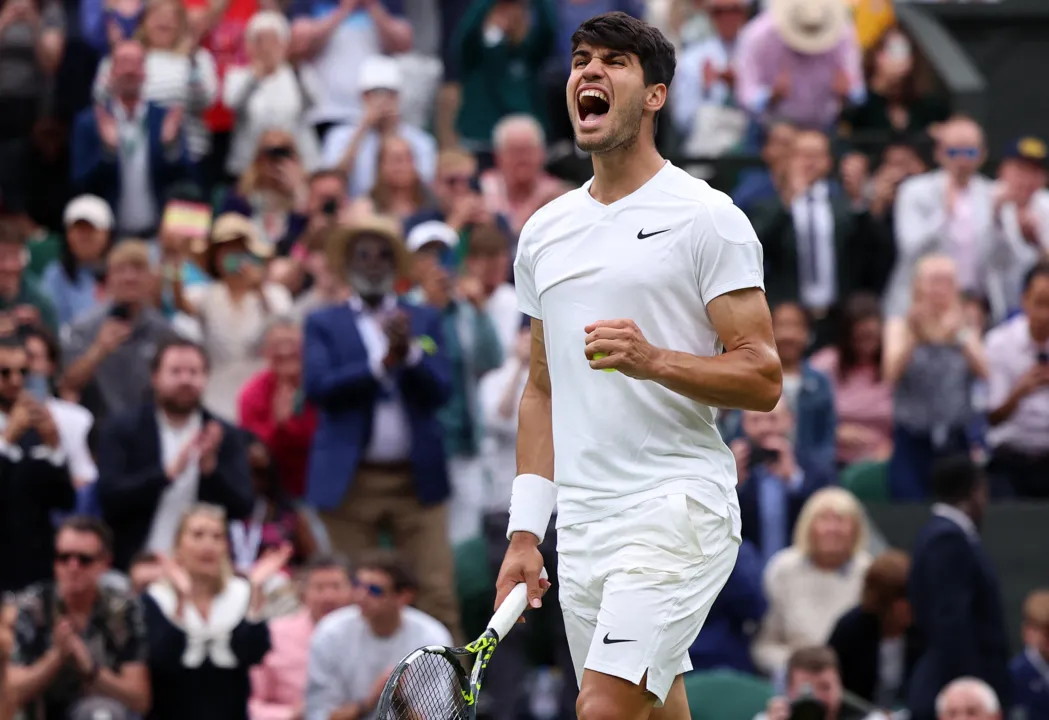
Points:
[[594, 93]]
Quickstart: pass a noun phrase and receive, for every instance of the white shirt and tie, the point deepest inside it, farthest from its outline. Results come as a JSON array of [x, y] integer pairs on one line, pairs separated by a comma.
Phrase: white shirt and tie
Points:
[[814, 232], [182, 492], [136, 209], [391, 437]]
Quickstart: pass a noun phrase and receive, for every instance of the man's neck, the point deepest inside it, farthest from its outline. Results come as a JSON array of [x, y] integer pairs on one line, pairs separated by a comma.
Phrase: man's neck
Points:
[[80, 604], [130, 104], [791, 367], [521, 189], [177, 419], [386, 627], [620, 172], [1039, 337]]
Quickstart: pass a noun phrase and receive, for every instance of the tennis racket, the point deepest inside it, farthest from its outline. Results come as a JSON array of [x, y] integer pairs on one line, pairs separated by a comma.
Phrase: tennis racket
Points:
[[431, 683]]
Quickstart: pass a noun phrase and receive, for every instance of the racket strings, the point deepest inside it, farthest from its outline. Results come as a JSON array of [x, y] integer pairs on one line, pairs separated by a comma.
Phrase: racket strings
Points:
[[428, 689]]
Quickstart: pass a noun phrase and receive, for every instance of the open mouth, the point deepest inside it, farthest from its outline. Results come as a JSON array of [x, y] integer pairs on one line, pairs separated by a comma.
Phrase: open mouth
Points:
[[593, 105]]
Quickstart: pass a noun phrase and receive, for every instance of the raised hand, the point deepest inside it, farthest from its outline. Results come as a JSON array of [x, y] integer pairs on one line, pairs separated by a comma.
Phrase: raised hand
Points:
[[270, 564], [176, 575], [172, 124]]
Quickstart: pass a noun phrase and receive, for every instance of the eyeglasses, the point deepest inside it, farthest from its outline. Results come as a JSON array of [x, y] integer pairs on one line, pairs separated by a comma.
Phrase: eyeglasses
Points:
[[83, 559], [6, 372], [376, 591], [963, 153], [455, 180]]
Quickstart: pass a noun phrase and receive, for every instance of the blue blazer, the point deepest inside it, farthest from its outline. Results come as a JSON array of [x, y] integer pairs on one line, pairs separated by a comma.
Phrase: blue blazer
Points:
[[958, 612], [96, 170], [339, 381]]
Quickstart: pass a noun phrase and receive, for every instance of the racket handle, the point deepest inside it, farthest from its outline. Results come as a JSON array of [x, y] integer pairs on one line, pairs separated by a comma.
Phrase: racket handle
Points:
[[513, 606]]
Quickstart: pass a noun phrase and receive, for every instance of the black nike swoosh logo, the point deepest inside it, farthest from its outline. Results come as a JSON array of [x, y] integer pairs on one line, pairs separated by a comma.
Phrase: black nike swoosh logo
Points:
[[641, 234], [607, 640]]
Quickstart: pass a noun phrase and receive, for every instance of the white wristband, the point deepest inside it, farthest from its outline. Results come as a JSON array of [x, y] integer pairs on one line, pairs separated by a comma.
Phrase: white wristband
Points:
[[531, 505]]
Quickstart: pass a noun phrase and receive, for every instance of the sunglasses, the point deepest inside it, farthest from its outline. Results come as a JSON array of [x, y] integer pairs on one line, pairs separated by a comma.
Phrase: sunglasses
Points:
[[963, 153], [83, 559], [375, 591], [366, 254], [6, 372]]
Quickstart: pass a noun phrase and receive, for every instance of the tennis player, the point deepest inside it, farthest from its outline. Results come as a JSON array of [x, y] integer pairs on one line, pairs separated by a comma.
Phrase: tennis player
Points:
[[648, 273]]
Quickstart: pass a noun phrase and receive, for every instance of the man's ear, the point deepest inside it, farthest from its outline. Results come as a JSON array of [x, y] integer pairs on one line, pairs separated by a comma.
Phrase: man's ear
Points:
[[406, 597], [655, 97]]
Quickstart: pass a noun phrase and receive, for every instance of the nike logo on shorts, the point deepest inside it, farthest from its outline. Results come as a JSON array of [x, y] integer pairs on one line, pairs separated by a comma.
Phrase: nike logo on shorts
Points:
[[609, 641], [641, 234]]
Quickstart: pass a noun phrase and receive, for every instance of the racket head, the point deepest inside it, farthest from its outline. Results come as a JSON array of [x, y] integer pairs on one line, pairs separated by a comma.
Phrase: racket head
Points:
[[432, 684]]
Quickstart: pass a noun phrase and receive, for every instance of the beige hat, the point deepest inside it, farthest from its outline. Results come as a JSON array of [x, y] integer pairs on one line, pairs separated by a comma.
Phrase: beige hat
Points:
[[810, 27], [342, 239], [230, 227]]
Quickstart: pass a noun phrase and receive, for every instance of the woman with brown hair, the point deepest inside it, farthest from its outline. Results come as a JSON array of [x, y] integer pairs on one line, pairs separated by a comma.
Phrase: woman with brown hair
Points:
[[876, 644], [178, 74], [204, 623], [862, 398], [399, 190]]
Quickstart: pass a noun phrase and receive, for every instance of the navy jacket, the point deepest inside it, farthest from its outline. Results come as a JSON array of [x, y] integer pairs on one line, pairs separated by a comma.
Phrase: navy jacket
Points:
[[817, 475], [957, 604], [340, 382], [131, 477], [724, 641], [1030, 675], [857, 641], [96, 170]]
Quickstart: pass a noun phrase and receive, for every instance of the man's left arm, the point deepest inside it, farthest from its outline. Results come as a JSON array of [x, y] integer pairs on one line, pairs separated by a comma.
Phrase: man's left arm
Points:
[[747, 375], [231, 478], [426, 376], [129, 683], [395, 32]]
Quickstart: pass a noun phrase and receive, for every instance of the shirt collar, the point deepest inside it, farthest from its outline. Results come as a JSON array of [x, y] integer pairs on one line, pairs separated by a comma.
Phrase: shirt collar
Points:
[[958, 518], [122, 115], [389, 302]]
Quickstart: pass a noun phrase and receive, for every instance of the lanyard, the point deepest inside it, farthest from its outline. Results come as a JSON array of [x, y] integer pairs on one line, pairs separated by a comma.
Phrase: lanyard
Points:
[[132, 133]]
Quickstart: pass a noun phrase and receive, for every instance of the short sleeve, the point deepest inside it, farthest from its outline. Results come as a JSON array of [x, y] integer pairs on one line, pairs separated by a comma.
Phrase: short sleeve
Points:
[[136, 645], [728, 254], [524, 277]]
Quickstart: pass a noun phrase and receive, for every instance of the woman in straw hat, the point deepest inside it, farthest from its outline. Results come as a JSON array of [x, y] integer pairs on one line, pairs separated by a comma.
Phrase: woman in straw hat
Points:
[[233, 311]]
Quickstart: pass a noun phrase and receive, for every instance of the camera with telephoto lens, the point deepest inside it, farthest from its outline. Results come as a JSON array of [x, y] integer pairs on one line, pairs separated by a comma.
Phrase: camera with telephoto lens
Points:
[[806, 706]]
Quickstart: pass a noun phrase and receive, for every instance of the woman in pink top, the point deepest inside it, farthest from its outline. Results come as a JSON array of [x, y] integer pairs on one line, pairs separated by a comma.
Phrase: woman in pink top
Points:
[[862, 398]]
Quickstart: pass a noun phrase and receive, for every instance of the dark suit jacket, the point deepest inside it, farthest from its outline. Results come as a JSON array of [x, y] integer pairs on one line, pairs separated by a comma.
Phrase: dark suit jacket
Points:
[[340, 382], [131, 477], [863, 250], [957, 605], [31, 486], [857, 639], [96, 170], [817, 475]]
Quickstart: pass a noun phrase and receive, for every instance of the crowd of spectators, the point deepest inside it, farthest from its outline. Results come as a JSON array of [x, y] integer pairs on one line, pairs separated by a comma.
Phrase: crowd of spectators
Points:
[[257, 326]]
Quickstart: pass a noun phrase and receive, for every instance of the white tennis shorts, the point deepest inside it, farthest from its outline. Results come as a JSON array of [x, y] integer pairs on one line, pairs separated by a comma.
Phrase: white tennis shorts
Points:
[[635, 588]]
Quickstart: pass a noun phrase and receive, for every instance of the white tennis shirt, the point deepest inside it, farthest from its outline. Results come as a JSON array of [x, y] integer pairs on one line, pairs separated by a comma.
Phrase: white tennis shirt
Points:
[[656, 257]]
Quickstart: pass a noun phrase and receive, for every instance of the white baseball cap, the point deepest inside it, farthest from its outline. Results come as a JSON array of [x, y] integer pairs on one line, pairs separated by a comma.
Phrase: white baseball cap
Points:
[[90, 209], [432, 231], [380, 72]]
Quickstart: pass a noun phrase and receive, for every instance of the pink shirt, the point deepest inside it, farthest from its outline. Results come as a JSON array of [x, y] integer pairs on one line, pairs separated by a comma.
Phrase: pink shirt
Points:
[[860, 399], [278, 684]]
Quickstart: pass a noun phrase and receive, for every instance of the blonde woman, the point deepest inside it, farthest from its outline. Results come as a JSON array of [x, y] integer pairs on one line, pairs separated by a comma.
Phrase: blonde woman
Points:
[[177, 74], [932, 358], [810, 584], [268, 93], [399, 189], [204, 623]]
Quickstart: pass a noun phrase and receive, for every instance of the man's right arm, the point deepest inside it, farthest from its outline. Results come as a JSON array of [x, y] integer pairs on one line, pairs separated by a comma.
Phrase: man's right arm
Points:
[[535, 435], [26, 682]]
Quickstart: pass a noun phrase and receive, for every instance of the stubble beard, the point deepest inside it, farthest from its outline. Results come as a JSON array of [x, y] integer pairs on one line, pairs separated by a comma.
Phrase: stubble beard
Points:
[[622, 136]]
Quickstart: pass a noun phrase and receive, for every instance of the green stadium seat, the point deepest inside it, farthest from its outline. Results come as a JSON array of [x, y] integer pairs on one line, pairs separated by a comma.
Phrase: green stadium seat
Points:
[[474, 585], [726, 695], [867, 480]]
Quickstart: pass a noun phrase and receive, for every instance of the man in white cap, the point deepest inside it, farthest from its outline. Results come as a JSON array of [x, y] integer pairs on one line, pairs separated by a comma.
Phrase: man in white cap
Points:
[[354, 148], [800, 60]]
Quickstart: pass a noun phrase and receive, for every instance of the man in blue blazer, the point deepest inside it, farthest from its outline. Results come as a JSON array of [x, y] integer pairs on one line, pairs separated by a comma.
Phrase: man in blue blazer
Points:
[[376, 370], [954, 593], [129, 151]]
